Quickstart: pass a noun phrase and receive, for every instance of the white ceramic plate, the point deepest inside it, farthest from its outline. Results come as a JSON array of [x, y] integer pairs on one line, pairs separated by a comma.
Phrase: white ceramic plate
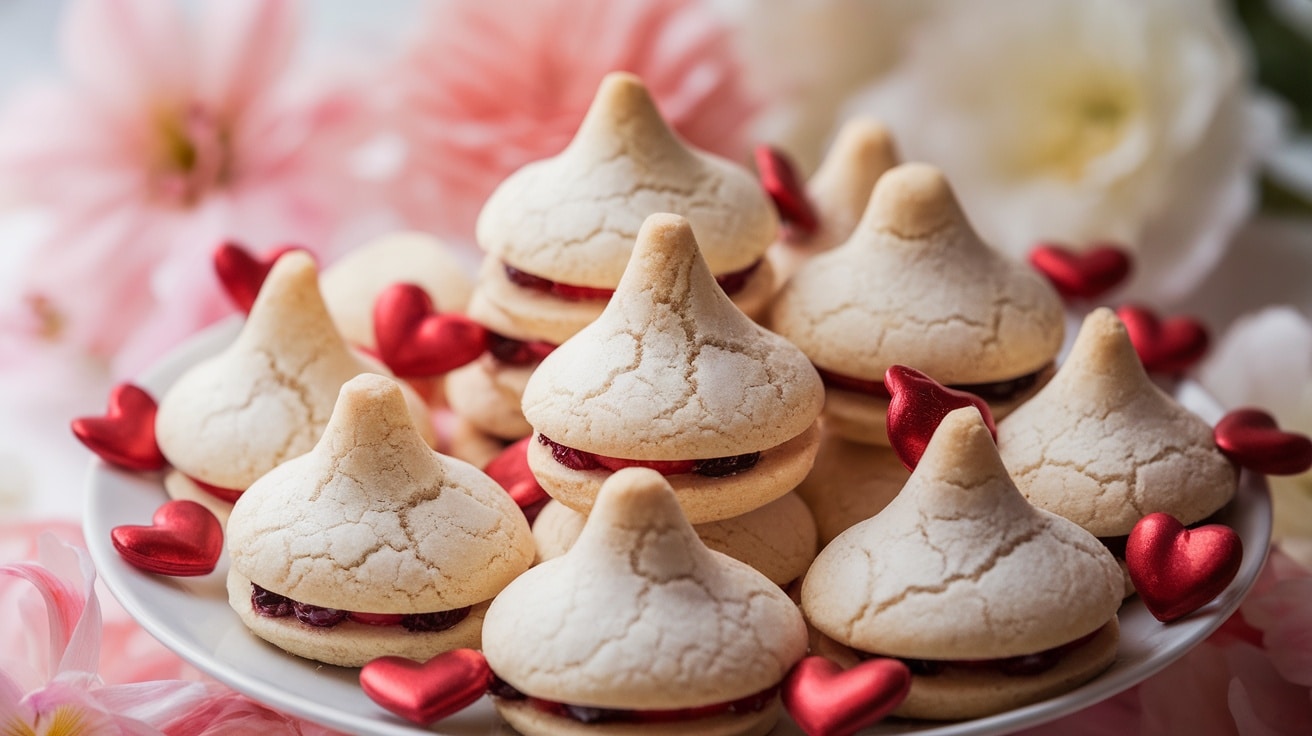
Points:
[[191, 615]]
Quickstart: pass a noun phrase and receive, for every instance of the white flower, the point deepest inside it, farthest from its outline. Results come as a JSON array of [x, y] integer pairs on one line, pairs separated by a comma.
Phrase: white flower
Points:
[[807, 58], [1265, 360], [1074, 121]]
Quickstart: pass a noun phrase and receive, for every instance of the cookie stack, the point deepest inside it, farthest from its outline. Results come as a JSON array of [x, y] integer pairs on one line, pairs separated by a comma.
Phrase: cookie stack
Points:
[[558, 234]]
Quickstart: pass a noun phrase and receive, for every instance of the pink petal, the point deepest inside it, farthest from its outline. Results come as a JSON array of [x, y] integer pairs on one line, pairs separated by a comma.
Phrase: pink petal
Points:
[[64, 603], [233, 713], [246, 46], [1260, 700], [132, 56]]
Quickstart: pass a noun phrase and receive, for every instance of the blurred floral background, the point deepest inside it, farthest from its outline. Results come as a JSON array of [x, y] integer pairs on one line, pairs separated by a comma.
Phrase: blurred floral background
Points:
[[137, 134]]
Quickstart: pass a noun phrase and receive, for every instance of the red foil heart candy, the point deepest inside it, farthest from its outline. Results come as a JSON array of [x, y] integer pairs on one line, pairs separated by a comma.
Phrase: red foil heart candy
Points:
[[510, 469], [415, 341], [125, 434], [1086, 275], [184, 539], [1252, 439], [1177, 570], [825, 700], [428, 692], [1164, 346], [780, 181], [917, 406], [242, 273]]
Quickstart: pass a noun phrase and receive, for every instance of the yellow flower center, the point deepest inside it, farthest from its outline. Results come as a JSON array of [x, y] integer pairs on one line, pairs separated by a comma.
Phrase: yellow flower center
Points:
[[192, 154], [1078, 118], [65, 720]]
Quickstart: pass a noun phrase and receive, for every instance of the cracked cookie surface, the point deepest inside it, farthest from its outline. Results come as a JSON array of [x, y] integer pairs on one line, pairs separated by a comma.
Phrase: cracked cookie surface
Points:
[[374, 520], [671, 369], [574, 217], [267, 397], [639, 614], [960, 566], [915, 285], [1103, 446]]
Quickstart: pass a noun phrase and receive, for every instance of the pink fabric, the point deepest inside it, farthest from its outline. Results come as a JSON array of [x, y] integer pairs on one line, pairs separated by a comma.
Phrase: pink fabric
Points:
[[161, 142], [490, 86]]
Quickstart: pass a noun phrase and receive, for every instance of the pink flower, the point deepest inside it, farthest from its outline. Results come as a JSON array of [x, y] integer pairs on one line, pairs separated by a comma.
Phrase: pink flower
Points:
[[51, 647], [166, 137], [490, 86]]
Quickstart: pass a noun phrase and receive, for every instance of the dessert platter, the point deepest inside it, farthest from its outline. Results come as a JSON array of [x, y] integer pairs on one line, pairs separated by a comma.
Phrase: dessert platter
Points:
[[191, 616]]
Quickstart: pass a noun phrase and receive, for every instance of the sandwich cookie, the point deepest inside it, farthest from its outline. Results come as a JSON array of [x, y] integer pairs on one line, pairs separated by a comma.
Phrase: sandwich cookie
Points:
[[778, 539], [558, 232], [372, 543], [640, 628], [839, 190], [991, 602], [267, 397], [914, 285], [673, 376], [1103, 446]]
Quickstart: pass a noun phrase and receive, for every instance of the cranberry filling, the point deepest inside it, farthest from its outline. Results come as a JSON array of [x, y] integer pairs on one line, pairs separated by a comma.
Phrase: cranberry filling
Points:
[[272, 605], [996, 391], [517, 352], [587, 714], [731, 283], [713, 467], [1020, 666], [227, 495]]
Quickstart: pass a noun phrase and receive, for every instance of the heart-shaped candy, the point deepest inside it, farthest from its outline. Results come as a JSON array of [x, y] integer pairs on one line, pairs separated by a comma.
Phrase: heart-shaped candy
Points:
[[242, 273], [125, 435], [184, 539], [1084, 275], [1252, 439], [825, 700], [780, 181], [428, 692], [510, 469], [917, 405], [416, 342], [1164, 346], [1177, 570]]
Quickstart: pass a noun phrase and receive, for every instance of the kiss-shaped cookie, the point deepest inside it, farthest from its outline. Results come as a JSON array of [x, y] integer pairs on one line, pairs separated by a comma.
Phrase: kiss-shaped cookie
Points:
[[372, 543], [264, 399], [914, 285], [991, 602], [640, 629], [838, 191], [1103, 446], [673, 376]]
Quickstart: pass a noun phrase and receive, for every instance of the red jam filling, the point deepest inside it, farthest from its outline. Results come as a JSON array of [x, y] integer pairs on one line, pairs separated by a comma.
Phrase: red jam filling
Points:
[[1021, 666], [272, 605], [731, 283], [227, 495], [510, 351], [713, 467], [587, 714], [997, 391]]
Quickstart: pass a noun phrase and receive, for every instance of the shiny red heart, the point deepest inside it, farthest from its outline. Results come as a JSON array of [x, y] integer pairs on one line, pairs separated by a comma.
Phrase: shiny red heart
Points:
[[1084, 275], [427, 692], [242, 273], [125, 435], [510, 469], [825, 700], [917, 405], [184, 539], [1177, 570], [415, 342], [780, 181], [1164, 346], [1252, 439]]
